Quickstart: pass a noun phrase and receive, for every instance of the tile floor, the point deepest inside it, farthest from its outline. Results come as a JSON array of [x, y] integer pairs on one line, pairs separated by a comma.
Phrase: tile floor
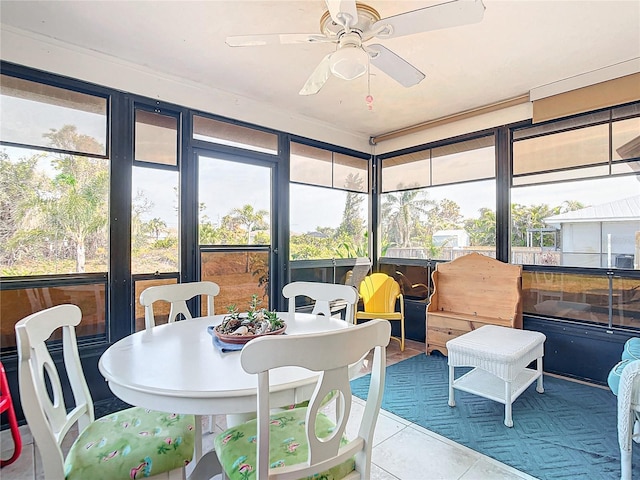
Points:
[[401, 451]]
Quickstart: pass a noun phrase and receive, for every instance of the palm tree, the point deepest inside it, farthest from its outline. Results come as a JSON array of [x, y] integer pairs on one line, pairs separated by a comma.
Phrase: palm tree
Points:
[[402, 211], [251, 220], [156, 226]]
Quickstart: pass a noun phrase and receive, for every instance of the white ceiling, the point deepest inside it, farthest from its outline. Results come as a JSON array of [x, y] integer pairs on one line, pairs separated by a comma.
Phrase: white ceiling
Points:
[[519, 45]]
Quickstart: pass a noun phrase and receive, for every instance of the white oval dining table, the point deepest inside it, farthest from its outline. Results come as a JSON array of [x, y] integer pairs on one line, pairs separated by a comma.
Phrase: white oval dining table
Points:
[[175, 367]]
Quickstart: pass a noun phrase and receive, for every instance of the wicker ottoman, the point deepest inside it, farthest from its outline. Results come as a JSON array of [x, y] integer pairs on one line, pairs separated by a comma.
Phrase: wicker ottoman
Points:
[[500, 356]]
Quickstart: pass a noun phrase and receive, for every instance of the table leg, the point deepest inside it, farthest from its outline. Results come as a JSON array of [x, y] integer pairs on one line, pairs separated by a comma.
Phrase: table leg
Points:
[[539, 386], [508, 421], [452, 398], [206, 468], [238, 418], [197, 454]]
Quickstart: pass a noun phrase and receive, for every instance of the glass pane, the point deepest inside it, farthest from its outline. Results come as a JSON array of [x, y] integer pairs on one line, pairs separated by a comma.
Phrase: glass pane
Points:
[[581, 297], [160, 308], [582, 147], [412, 170], [626, 139], [560, 175], [235, 203], [19, 303], [565, 124], [224, 133], [327, 223], [569, 223], [39, 115], [239, 275], [55, 212], [440, 223], [311, 165], [462, 161], [350, 173], [155, 229], [413, 279], [156, 138]]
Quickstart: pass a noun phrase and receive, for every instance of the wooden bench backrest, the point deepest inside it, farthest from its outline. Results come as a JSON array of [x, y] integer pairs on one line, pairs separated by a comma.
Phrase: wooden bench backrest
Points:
[[477, 285]]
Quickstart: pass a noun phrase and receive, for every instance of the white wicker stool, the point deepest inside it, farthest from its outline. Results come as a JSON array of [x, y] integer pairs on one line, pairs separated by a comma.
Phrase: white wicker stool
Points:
[[500, 356]]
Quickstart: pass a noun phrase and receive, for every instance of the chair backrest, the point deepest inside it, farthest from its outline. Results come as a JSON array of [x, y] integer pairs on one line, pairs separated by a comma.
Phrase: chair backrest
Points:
[[379, 293], [177, 294], [628, 412], [323, 294], [347, 346], [359, 271], [47, 414]]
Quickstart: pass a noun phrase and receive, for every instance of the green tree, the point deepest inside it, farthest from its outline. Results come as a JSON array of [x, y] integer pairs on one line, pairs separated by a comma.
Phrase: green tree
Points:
[[156, 226], [401, 212], [78, 207], [249, 219], [482, 230], [445, 215], [352, 224], [525, 219], [19, 184], [571, 205]]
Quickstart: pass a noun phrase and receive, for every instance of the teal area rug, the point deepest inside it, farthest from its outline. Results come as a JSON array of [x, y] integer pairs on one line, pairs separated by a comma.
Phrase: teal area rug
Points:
[[568, 432]]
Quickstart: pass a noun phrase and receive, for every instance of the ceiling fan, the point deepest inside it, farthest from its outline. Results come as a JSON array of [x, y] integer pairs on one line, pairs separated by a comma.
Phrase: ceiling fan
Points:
[[350, 24]]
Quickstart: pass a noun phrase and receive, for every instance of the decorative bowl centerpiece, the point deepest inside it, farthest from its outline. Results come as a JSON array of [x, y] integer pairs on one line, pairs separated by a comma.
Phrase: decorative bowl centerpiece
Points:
[[239, 328]]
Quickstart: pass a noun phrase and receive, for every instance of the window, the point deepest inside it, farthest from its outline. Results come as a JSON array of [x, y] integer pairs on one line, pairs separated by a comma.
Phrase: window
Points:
[[155, 227], [575, 200], [156, 138], [54, 203], [37, 115], [54, 210], [439, 203], [328, 204], [224, 133]]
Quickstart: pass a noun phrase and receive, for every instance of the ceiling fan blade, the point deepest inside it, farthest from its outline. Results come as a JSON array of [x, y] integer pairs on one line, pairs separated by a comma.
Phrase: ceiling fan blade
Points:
[[343, 12], [274, 39], [435, 17], [396, 67], [318, 78]]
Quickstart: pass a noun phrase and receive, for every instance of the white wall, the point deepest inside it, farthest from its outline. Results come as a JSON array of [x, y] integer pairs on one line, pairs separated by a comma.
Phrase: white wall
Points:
[[586, 244]]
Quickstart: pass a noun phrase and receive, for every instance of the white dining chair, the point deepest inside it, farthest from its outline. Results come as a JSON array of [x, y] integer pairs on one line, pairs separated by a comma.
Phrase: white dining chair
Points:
[[324, 294], [628, 415], [177, 294], [305, 442], [127, 444]]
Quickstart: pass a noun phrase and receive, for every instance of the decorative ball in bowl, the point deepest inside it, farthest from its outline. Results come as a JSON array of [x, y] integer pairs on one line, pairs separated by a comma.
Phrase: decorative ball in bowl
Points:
[[239, 328]]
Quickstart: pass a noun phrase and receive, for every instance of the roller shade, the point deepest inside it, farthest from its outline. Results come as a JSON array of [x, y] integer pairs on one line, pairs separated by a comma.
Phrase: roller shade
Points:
[[594, 97]]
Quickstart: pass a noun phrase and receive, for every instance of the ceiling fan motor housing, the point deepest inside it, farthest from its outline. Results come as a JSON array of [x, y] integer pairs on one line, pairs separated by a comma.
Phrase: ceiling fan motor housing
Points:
[[367, 16]]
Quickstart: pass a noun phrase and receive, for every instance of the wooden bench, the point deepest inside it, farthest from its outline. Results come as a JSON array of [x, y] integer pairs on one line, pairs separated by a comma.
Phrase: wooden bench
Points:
[[469, 292]]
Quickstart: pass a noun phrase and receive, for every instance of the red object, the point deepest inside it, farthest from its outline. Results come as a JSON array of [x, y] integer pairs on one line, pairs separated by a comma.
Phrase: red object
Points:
[[6, 405]]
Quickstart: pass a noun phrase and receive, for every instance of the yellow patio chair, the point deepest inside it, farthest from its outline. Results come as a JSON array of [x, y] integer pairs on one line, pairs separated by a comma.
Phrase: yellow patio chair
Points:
[[379, 293]]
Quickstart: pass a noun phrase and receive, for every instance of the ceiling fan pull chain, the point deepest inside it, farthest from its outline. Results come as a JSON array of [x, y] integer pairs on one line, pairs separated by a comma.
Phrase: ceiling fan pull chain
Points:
[[369, 97]]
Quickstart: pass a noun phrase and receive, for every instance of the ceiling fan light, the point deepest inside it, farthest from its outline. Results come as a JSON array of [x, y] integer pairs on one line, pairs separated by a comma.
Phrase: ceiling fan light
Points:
[[349, 62]]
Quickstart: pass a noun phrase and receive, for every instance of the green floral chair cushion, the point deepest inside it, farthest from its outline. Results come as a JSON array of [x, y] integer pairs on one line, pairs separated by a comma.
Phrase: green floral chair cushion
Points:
[[133, 443], [236, 446]]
